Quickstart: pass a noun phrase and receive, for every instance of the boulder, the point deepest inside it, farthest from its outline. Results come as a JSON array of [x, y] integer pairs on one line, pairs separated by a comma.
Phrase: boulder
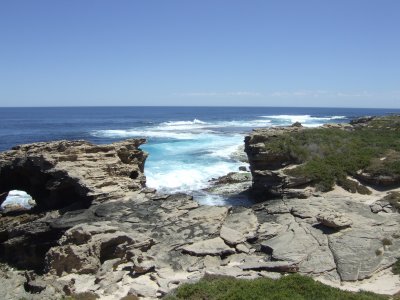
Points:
[[334, 220]]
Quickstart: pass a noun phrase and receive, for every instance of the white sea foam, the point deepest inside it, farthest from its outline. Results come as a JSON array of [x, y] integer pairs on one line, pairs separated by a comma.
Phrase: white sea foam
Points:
[[302, 118], [179, 123], [224, 151], [305, 120], [18, 197], [180, 130], [244, 124], [186, 154], [187, 177], [198, 125], [150, 133]]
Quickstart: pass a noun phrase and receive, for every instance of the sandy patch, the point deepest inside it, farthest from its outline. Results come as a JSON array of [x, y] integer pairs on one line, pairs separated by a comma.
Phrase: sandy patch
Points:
[[384, 282]]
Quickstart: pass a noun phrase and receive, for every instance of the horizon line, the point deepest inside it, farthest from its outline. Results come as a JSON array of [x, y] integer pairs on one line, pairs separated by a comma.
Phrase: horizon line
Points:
[[206, 106]]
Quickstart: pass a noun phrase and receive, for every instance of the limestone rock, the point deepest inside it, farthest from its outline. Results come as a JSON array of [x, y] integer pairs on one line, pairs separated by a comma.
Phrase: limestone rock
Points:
[[265, 165], [143, 286], [334, 219], [58, 174], [243, 222], [231, 236], [214, 246], [355, 254], [291, 246], [242, 248], [318, 262], [85, 247]]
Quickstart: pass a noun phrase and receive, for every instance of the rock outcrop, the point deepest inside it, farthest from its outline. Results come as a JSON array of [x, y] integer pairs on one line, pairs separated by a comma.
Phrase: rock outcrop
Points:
[[59, 174], [149, 245], [284, 161], [266, 166], [146, 244]]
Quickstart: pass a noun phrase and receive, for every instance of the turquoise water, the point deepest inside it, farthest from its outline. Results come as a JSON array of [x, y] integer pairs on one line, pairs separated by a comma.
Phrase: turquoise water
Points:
[[188, 146]]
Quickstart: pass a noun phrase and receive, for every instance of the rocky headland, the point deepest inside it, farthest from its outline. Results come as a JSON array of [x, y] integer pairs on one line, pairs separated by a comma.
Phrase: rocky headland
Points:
[[98, 232]]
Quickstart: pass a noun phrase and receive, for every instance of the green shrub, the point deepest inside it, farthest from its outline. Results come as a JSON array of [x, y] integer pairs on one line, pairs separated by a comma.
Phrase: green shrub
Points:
[[386, 242], [288, 287]]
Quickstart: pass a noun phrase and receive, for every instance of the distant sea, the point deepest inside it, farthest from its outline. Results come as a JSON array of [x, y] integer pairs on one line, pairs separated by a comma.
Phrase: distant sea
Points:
[[188, 146]]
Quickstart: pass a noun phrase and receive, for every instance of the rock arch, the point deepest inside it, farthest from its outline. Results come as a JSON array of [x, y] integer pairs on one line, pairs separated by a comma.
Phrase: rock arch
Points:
[[63, 173]]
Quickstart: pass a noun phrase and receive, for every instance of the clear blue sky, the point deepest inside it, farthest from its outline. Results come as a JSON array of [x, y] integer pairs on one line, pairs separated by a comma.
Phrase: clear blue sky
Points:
[[267, 53]]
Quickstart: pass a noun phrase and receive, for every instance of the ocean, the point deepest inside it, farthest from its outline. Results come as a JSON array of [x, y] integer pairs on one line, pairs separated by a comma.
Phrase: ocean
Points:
[[188, 146]]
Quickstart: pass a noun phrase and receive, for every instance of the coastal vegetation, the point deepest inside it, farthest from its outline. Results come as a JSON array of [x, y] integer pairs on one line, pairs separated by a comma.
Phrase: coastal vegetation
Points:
[[329, 155], [288, 287]]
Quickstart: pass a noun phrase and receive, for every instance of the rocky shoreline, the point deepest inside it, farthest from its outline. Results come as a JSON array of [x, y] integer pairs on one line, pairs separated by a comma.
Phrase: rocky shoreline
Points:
[[97, 231]]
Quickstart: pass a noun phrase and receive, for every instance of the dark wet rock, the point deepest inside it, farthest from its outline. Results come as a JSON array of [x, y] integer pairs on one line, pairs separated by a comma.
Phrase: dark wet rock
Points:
[[233, 177], [361, 120], [25, 245], [277, 266], [3, 197], [233, 186], [379, 180], [73, 218], [297, 124]]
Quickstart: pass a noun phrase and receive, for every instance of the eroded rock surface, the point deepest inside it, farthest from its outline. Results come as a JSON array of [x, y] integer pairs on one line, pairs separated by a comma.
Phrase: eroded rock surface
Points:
[[266, 166], [147, 247], [58, 174], [146, 244]]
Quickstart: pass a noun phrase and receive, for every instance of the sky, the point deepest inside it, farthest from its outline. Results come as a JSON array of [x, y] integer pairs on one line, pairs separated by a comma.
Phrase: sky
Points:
[[341, 53]]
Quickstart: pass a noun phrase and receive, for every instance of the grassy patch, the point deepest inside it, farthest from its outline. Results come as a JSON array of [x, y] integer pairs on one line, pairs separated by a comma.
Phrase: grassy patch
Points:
[[288, 287], [329, 155]]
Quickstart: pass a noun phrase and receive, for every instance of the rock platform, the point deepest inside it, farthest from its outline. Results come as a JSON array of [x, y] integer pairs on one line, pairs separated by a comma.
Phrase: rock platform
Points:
[[132, 241]]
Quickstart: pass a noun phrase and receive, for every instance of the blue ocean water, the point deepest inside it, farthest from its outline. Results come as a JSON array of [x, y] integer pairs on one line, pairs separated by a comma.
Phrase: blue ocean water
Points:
[[188, 146]]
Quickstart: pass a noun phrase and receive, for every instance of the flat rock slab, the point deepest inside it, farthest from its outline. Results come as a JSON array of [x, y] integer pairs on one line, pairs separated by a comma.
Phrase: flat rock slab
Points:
[[244, 222], [291, 246], [214, 246], [231, 236], [357, 254]]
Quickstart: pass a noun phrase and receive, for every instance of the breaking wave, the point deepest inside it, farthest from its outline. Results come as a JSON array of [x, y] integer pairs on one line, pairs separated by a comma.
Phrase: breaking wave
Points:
[[186, 154], [306, 120]]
